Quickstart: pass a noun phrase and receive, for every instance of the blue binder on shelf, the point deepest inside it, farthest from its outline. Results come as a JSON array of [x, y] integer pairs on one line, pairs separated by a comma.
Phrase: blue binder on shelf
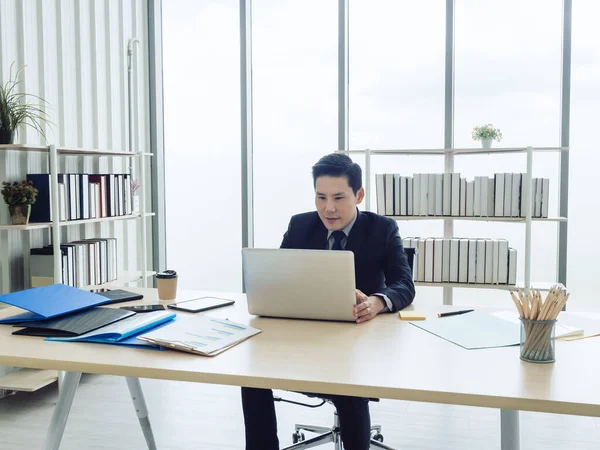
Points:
[[50, 301], [125, 331]]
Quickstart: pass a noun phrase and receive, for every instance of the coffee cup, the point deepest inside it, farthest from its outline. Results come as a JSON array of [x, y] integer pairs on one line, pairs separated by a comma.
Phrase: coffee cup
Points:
[[166, 282]]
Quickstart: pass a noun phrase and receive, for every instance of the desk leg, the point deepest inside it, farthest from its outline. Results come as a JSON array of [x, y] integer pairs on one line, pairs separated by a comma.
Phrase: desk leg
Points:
[[135, 389], [510, 437], [61, 410]]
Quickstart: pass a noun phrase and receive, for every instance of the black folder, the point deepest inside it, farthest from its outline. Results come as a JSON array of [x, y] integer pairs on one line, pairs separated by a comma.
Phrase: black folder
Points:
[[119, 295], [73, 324]]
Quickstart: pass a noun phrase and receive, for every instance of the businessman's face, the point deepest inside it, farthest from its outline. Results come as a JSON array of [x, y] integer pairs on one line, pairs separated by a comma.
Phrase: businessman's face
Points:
[[336, 202]]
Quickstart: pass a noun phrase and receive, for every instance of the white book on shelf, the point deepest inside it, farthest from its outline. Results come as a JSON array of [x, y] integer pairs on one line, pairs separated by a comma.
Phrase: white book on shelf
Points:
[[469, 200], [494, 261], [438, 259], [454, 260], [447, 194], [407, 242], [463, 260], [429, 261], [455, 194], [491, 207], [424, 194], [538, 197], [421, 260], [484, 196], [431, 194], [389, 194], [545, 197], [439, 194], [472, 270], [502, 261], [477, 197], [463, 197], [523, 210], [515, 201], [512, 266], [489, 264], [380, 193], [409, 196], [416, 194], [397, 195], [92, 202], [480, 261], [401, 195], [507, 194], [499, 194], [445, 260], [414, 243]]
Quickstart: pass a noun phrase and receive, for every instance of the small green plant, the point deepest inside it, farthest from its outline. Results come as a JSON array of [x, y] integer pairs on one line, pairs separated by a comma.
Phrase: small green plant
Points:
[[16, 108], [16, 193], [486, 131]]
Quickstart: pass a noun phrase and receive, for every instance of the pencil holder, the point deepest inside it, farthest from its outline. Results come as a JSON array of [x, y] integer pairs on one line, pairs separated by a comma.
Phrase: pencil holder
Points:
[[537, 340]]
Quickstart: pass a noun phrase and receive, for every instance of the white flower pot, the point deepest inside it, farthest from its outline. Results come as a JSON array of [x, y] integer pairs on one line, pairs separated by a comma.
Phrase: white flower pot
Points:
[[136, 204], [486, 143]]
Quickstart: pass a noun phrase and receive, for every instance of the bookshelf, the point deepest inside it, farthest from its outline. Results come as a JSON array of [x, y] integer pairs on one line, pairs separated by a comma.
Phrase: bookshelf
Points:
[[449, 154], [54, 152]]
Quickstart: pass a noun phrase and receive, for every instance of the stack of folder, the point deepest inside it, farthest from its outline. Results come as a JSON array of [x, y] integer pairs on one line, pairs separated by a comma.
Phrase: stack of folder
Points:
[[64, 313]]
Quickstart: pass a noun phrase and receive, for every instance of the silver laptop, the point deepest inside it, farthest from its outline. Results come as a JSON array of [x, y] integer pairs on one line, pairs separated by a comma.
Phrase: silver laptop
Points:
[[300, 284]]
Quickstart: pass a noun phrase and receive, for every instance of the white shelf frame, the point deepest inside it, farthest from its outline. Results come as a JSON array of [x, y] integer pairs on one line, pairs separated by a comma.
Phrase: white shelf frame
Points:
[[449, 154]]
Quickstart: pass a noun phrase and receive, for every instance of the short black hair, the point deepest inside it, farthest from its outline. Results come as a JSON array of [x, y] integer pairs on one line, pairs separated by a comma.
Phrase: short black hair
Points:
[[338, 165]]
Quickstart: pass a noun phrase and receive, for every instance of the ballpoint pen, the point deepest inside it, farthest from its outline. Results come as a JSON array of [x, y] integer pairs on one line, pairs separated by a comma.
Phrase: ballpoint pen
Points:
[[455, 313]]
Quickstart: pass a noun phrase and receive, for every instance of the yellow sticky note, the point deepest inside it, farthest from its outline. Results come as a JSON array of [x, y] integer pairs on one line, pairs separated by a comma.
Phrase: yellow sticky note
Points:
[[411, 315]]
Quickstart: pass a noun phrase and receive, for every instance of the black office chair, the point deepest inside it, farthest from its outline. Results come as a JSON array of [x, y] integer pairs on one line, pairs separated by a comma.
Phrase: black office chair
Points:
[[333, 434]]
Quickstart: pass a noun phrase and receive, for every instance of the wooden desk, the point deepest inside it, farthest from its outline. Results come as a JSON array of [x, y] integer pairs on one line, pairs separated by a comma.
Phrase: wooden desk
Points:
[[385, 358]]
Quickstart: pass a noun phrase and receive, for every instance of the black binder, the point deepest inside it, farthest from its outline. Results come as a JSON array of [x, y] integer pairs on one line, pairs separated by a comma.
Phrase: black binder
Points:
[[73, 324], [119, 295]]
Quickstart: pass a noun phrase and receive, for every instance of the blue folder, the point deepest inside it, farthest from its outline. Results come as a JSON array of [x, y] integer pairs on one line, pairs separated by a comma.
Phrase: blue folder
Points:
[[50, 301], [125, 331]]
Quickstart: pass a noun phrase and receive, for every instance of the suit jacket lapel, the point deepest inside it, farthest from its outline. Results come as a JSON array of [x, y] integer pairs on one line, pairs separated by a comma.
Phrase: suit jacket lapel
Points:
[[318, 236], [357, 234]]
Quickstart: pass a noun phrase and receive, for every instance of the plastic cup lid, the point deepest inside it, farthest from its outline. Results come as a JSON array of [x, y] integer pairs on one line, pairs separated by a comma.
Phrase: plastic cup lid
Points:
[[167, 274]]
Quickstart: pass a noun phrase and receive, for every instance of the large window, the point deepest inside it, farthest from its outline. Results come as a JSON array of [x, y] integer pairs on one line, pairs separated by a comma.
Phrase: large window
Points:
[[584, 158], [295, 107], [508, 73], [396, 88], [202, 142]]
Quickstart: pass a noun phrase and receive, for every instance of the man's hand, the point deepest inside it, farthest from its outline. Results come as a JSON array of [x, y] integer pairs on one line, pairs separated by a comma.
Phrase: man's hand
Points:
[[367, 307]]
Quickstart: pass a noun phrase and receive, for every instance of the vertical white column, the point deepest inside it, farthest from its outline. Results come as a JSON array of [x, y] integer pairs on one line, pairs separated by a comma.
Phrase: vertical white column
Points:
[[528, 208], [54, 212]]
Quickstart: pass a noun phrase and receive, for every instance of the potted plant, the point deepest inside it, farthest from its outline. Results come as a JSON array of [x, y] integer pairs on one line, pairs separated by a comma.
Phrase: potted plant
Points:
[[19, 197], [486, 134], [16, 109]]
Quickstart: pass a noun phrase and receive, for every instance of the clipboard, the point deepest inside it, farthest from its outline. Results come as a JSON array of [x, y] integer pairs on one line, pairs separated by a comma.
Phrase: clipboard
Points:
[[200, 335]]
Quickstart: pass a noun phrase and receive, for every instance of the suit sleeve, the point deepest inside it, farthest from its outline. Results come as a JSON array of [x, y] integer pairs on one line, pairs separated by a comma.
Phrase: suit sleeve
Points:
[[286, 242], [400, 288]]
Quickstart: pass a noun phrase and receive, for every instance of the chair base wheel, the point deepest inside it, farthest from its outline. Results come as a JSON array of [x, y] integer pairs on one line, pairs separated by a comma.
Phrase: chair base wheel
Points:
[[298, 437], [377, 437]]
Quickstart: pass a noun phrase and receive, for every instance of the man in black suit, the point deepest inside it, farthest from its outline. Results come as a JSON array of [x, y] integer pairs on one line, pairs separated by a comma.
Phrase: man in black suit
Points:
[[383, 280]]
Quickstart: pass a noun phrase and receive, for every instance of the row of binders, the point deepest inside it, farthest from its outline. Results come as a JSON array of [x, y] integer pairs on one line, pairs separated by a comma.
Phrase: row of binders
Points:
[[449, 194], [82, 196], [84, 263], [463, 260]]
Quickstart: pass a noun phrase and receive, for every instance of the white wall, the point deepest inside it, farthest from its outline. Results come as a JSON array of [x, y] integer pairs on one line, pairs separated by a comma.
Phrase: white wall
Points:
[[75, 53]]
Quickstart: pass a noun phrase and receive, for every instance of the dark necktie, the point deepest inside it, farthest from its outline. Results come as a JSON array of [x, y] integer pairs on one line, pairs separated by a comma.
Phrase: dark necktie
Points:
[[337, 239]]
